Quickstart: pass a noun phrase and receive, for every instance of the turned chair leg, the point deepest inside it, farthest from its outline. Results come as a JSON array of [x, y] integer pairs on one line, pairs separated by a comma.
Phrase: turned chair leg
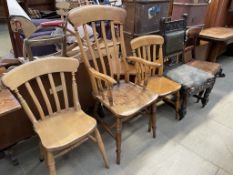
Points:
[[118, 140], [153, 119], [101, 147], [177, 105], [51, 163]]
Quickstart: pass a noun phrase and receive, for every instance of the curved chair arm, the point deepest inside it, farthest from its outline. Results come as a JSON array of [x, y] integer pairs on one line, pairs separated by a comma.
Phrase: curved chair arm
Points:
[[142, 61], [96, 78]]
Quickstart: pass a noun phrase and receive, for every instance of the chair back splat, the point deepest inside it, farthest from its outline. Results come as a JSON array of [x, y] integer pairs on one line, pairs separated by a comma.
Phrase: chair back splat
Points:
[[41, 95], [106, 49], [150, 48]]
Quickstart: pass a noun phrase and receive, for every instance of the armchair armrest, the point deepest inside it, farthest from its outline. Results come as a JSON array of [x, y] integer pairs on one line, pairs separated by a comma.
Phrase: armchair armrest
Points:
[[103, 77], [98, 88], [142, 61]]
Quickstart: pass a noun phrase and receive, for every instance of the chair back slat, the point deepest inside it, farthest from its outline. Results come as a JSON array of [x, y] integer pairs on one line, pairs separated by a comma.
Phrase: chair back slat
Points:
[[97, 42], [35, 100], [54, 92], [33, 75], [75, 92], [151, 48], [44, 95], [65, 95], [90, 48], [25, 106], [105, 46], [115, 49], [123, 52]]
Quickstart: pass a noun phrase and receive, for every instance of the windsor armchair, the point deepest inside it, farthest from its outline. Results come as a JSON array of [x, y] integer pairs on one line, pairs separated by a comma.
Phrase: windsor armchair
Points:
[[116, 93], [61, 128], [150, 48]]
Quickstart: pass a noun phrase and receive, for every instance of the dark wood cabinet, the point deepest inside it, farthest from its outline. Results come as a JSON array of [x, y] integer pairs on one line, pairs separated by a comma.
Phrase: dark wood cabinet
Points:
[[143, 17]]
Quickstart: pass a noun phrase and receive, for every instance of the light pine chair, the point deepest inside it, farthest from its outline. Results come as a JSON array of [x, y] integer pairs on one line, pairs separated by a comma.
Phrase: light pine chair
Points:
[[114, 91], [60, 128], [150, 48]]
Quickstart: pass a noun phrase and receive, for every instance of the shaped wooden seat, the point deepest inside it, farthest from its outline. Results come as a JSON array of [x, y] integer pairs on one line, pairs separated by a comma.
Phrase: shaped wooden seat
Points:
[[149, 48], [60, 124], [107, 68], [70, 126], [128, 99]]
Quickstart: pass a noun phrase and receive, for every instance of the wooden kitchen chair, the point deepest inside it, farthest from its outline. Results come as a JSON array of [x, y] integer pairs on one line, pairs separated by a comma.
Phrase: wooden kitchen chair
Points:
[[150, 48], [121, 97], [59, 122]]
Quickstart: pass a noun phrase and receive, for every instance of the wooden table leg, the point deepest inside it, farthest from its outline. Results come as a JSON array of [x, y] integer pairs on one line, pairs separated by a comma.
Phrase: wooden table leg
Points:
[[215, 50]]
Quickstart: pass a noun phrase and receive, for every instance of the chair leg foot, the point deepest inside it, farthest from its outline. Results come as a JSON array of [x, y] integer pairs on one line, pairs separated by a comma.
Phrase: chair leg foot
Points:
[[101, 147], [118, 140], [221, 74]]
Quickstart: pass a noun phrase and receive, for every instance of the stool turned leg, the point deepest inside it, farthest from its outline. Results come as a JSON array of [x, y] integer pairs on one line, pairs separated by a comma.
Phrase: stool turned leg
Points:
[[101, 147]]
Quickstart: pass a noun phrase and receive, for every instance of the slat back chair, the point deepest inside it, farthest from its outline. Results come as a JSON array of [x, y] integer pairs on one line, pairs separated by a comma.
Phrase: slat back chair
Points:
[[102, 46], [64, 126], [150, 48], [103, 57]]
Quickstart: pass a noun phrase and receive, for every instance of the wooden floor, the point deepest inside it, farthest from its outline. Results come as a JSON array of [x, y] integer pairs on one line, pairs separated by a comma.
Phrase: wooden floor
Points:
[[200, 144]]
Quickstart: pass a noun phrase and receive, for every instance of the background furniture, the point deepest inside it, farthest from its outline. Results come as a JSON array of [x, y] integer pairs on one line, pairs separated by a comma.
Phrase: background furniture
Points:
[[121, 97], [218, 14], [143, 17], [150, 49], [196, 10], [219, 38], [68, 125], [194, 81]]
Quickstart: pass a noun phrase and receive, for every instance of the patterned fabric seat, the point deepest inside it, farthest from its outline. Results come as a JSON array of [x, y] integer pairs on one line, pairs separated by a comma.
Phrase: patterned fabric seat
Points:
[[189, 76]]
